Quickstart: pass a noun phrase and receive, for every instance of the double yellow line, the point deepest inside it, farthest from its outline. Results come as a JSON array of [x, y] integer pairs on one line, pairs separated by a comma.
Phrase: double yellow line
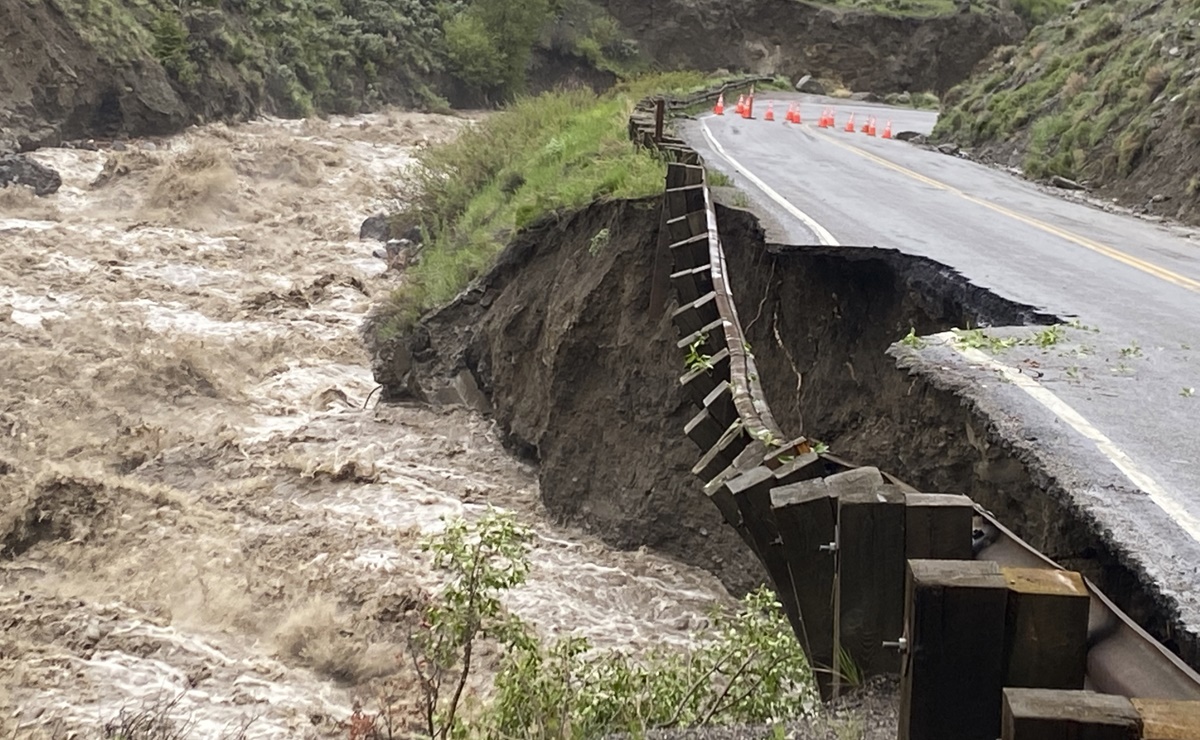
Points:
[[1111, 252]]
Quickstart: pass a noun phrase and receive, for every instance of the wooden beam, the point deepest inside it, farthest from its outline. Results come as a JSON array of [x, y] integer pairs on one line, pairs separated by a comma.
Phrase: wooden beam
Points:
[[1051, 714], [1168, 720], [1045, 641], [870, 576], [953, 656], [805, 513], [937, 526]]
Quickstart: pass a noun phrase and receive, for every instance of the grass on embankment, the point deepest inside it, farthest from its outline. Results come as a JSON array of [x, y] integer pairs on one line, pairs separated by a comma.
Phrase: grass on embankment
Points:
[[1098, 96], [555, 151]]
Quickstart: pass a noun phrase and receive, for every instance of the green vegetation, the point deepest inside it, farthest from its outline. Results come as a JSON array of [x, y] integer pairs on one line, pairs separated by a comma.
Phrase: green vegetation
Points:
[[301, 56], [1089, 97], [554, 151], [746, 667]]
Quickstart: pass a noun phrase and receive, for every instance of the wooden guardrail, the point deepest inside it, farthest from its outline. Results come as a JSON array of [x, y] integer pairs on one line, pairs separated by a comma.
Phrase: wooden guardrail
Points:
[[988, 634]]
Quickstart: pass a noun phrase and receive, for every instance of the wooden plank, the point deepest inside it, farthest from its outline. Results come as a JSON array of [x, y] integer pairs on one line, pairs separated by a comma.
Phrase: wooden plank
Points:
[[805, 514], [953, 662], [679, 175], [1168, 720], [937, 526], [699, 382], [1053, 714], [752, 492], [718, 414], [690, 253], [685, 199], [692, 317], [693, 283], [870, 576], [684, 226], [722, 454], [711, 338], [1045, 641]]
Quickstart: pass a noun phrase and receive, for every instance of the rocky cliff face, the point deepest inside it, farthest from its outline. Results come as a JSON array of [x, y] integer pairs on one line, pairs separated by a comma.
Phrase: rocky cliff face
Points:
[[53, 83], [864, 50]]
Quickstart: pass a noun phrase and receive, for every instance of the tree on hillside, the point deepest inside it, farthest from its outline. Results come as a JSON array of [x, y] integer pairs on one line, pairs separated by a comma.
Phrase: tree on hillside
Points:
[[490, 42]]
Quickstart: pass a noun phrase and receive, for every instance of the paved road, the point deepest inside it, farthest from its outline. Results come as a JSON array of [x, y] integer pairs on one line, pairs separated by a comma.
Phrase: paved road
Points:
[[1116, 400]]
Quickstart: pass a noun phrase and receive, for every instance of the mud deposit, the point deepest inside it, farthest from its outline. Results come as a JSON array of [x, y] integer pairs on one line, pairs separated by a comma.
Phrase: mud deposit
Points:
[[195, 507]]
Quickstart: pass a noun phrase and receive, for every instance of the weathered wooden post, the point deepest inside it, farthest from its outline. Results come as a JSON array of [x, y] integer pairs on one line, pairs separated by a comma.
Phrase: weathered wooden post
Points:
[[1045, 642], [953, 650], [1051, 714], [806, 514], [937, 526], [869, 594], [660, 107], [1168, 720]]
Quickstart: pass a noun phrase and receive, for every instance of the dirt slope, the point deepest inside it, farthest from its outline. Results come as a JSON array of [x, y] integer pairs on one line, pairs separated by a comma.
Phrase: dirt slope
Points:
[[861, 49], [583, 377], [1109, 95]]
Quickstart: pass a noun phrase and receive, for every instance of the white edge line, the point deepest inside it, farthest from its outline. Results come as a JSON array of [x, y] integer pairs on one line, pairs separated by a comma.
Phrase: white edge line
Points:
[[817, 229], [1159, 495]]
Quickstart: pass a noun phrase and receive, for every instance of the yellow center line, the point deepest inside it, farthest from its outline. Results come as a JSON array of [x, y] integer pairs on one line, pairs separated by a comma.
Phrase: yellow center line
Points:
[[1111, 252]]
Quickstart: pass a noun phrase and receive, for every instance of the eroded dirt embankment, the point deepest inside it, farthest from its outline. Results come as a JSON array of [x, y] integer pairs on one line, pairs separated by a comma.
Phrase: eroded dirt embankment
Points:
[[583, 377], [827, 317]]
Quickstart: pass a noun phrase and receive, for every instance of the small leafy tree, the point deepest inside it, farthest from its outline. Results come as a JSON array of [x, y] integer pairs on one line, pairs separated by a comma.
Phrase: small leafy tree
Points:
[[481, 561]]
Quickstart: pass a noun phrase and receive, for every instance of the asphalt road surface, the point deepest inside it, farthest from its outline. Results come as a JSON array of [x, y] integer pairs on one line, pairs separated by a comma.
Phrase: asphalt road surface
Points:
[[1122, 400]]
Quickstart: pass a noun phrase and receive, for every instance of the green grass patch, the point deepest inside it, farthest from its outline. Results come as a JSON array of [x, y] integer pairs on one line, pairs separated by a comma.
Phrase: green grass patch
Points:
[[542, 154]]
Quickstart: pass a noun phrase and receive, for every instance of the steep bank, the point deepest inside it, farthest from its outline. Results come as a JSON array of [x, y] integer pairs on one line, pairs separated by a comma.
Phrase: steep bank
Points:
[[863, 50], [1107, 95], [583, 378]]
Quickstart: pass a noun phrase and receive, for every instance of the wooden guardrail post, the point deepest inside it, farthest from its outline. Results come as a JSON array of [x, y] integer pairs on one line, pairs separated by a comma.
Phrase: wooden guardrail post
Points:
[[1045, 645], [1168, 720], [937, 526], [1052, 714], [953, 650], [660, 107], [869, 594], [806, 514]]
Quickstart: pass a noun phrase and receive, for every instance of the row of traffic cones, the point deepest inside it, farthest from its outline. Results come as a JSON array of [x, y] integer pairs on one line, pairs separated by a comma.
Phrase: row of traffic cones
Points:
[[828, 117]]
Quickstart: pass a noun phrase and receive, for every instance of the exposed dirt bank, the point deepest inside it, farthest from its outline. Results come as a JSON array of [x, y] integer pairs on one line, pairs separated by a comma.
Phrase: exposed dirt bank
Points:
[[863, 50], [583, 377], [194, 504]]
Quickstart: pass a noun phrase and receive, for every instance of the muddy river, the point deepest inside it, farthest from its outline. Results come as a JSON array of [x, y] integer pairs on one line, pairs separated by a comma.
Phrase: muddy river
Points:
[[200, 511]]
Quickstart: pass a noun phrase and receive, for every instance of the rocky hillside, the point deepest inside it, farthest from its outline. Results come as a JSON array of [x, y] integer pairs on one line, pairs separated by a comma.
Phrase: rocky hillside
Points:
[[886, 46], [1108, 95], [74, 69], [97, 68]]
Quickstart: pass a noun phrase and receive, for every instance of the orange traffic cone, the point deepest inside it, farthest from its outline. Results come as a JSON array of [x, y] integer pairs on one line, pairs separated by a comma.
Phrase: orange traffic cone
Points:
[[741, 105], [770, 112], [796, 115], [887, 129], [865, 127], [823, 119], [748, 111], [850, 125], [719, 108], [871, 126]]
